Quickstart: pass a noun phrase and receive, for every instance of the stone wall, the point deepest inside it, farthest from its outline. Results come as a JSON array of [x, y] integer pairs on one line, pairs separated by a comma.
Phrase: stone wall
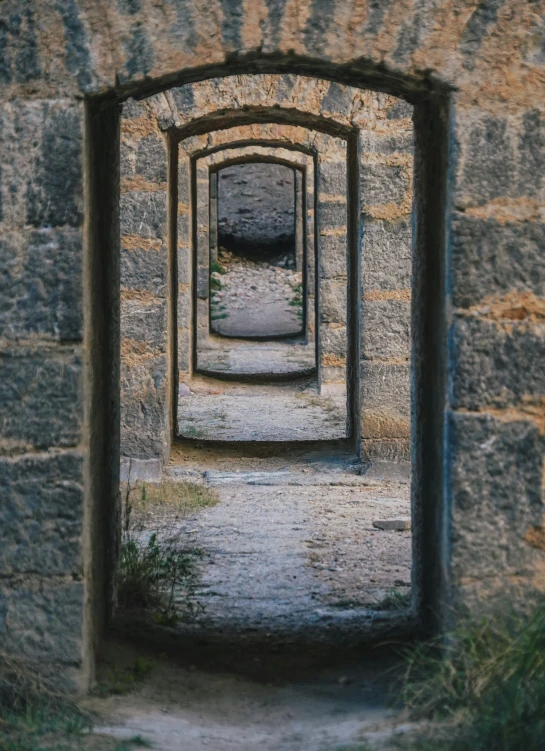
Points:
[[476, 76], [145, 420], [256, 209]]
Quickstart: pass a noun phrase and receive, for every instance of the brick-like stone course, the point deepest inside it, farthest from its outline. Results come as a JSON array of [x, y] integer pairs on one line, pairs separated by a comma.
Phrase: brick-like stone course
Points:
[[491, 68]]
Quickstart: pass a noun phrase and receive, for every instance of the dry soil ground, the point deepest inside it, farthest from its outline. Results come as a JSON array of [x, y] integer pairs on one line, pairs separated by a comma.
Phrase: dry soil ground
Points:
[[293, 580]]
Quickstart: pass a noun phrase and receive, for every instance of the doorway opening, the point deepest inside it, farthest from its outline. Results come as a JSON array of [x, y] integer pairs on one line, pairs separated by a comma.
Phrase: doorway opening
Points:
[[308, 546], [314, 540], [257, 285]]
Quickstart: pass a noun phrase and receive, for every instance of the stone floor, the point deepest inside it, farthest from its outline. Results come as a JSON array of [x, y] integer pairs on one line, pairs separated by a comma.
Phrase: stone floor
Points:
[[269, 358], [217, 410]]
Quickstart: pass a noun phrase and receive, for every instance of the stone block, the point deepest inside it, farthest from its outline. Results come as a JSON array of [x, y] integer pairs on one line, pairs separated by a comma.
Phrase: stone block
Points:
[[185, 308], [184, 228], [127, 159], [333, 301], [531, 147], [386, 386], [393, 525], [489, 258], [42, 177], [333, 256], [41, 396], [496, 469], [385, 423], [144, 422], [330, 375], [184, 350], [42, 621], [184, 264], [40, 284], [145, 269], [145, 321], [486, 159], [381, 184], [389, 143], [184, 185], [146, 470], [386, 255], [332, 178], [41, 516], [152, 158], [386, 328], [496, 366], [331, 215], [333, 340], [144, 213]]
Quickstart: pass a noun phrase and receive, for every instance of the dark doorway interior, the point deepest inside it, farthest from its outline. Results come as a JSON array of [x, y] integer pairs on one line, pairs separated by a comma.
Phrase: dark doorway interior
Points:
[[255, 283]]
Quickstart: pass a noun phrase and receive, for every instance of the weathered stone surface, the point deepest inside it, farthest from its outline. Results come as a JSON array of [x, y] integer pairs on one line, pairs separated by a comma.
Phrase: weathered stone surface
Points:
[[144, 213], [332, 178], [145, 269], [496, 365], [42, 620], [384, 422], [41, 517], [386, 328], [487, 161], [393, 525], [386, 255], [41, 284], [492, 464], [256, 206], [41, 396], [333, 256], [489, 258], [387, 386], [396, 143], [143, 408], [152, 158], [333, 301], [145, 320], [382, 184], [334, 340], [331, 215], [493, 67], [42, 182]]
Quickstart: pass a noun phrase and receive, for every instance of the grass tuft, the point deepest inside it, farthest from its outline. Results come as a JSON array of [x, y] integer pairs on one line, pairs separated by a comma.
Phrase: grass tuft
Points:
[[157, 569], [487, 686], [34, 716]]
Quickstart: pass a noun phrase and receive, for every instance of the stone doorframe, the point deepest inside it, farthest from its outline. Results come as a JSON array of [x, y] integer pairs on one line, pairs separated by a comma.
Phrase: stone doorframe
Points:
[[303, 164]]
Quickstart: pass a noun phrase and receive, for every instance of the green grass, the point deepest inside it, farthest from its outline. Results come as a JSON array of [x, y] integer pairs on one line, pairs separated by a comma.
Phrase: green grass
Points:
[[121, 680], [157, 569], [394, 600], [486, 688], [217, 267], [35, 717]]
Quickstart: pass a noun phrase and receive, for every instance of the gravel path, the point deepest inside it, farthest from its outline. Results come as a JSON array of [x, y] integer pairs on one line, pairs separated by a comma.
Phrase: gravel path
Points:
[[253, 299]]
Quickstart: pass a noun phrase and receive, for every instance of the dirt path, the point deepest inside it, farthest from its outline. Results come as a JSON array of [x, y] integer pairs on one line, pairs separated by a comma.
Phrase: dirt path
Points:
[[294, 550], [293, 576], [183, 706]]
